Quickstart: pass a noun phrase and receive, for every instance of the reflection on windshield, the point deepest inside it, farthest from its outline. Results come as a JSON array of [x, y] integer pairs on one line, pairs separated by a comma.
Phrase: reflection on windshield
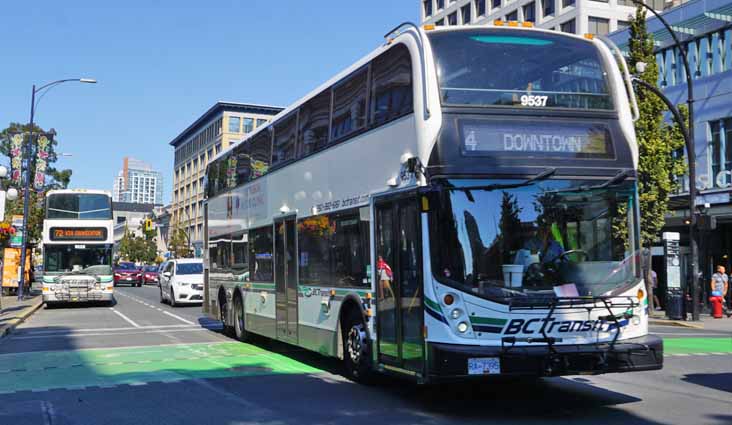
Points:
[[80, 206], [69, 258], [489, 67], [532, 239], [189, 268]]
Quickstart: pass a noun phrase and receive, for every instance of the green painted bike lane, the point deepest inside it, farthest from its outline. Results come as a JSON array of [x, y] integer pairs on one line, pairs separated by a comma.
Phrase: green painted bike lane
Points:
[[107, 367], [697, 345]]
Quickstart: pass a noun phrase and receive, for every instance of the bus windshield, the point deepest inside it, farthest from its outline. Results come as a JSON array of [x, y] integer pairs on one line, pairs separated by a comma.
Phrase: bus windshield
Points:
[[70, 258], [79, 206], [504, 239], [494, 67]]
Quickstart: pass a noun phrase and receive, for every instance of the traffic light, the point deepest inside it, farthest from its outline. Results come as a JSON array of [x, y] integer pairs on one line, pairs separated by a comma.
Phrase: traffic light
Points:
[[148, 225]]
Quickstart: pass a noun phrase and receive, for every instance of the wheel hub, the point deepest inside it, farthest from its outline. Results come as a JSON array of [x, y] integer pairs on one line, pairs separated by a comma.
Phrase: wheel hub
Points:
[[356, 343]]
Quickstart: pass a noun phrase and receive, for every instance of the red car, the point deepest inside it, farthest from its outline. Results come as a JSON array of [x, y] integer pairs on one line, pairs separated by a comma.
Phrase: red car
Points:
[[150, 275], [127, 273]]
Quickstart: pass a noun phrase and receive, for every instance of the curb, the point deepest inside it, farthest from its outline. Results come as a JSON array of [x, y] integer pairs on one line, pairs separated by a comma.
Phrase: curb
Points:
[[10, 327], [677, 323]]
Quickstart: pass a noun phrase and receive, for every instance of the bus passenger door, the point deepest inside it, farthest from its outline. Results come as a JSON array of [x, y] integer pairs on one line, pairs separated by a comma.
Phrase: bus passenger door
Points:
[[399, 284], [285, 263]]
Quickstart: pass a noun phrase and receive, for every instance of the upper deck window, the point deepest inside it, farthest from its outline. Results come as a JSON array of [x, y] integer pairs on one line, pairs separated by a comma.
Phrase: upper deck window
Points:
[[79, 206], [519, 68]]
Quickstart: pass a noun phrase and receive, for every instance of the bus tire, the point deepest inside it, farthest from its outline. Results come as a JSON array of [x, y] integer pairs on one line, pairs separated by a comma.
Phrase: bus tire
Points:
[[172, 298], [240, 332], [356, 348]]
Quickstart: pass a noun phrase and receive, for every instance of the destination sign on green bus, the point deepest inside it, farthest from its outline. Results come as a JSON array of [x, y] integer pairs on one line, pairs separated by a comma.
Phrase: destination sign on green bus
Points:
[[544, 139]]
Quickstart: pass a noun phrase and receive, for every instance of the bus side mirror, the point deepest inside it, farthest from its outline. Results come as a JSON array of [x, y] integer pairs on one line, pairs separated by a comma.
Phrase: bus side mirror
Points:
[[166, 274]]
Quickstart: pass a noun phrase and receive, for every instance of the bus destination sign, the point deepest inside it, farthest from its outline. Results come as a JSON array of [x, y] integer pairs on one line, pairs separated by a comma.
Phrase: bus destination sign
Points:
[[76, 234], [544, 139]]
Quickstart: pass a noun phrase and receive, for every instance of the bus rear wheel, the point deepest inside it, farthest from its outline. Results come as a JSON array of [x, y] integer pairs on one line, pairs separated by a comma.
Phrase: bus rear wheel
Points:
[[239, 329], [356, 349]]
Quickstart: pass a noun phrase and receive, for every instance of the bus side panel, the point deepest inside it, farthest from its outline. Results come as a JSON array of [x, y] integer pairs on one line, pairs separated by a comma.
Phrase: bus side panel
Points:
[[318, 319], [259, 307]]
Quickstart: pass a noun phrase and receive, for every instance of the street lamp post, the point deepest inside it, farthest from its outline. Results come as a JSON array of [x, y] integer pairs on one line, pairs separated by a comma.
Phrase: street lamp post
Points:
[[690, 155], [28, 150]]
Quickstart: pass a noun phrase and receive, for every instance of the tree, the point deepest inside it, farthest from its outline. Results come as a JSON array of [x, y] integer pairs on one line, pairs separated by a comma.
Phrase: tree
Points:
[[658, 142], [178, 243], [137, 248], [510, 223], [54, 179]]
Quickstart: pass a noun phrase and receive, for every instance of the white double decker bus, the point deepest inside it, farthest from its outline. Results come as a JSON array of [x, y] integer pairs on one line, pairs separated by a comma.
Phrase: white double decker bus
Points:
[[77, 246], [461, 202]]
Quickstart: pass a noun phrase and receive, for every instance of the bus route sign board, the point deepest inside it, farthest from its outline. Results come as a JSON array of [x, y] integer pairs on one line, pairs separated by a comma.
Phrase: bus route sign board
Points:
[[74, 234], [543, 139]]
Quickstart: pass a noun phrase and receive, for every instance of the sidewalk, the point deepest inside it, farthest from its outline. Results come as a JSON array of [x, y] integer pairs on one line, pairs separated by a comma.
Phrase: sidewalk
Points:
[[705, 322], [14, 312]]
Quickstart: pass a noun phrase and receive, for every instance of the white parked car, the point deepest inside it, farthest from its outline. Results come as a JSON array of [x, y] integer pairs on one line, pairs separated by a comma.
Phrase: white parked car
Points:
[[181, 281]]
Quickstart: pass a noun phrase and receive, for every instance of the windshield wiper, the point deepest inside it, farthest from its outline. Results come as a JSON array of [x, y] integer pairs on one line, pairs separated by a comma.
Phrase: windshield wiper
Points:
[[621, 176], [489, 187]]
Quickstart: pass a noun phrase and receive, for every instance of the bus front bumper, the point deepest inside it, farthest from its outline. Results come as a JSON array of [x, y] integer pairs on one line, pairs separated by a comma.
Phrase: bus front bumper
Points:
[[628, 355], [77, 296]]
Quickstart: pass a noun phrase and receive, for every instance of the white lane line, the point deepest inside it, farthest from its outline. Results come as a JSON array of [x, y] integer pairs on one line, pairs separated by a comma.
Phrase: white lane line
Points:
[[153, 331], [127, 319], [178, 317], [29, 333]]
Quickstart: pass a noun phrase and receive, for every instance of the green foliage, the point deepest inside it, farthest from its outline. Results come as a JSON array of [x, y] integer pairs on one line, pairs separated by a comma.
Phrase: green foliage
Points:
[[657, 141], [137, 248], [510, 223], [178, 243], [55, 178]]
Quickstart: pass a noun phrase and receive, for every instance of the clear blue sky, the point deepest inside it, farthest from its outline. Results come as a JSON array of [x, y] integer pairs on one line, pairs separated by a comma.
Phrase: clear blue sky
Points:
[[160, 64]]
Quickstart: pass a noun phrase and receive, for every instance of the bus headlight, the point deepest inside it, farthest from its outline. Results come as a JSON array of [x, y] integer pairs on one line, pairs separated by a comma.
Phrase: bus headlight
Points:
[[462, 327], [456, 313]]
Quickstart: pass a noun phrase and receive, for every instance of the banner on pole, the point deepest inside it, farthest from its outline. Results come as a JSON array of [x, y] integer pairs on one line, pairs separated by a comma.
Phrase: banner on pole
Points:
[[16, 157]]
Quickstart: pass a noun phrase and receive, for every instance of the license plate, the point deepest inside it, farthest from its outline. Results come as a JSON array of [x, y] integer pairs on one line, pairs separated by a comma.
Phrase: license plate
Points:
[[484, 366], [129, 278]]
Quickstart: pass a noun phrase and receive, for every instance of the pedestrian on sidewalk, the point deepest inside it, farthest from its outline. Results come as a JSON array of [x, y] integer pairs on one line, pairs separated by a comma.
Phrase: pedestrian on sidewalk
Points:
[[654, 285], [719, 285]]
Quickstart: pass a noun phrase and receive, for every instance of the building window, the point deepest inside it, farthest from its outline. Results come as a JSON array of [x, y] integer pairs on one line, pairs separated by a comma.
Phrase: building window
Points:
[[479, 7], [452, 19], [496, 4], [248, 125], [314, 123], [623, 24], [465, 12], [218, 148], [569, 27], [720, 147], [234, 124], [391, 85], [530, 12], [599, 26], [261, 122], [548, 7], [349, 105], [567, 3], [513, 16], [440, 4], [427, 8]]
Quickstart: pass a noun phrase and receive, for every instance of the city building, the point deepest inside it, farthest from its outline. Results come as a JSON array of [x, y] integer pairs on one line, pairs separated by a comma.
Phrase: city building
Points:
[[137, 182], [222, 125], [128, 217], [572, 16], [704, 27]]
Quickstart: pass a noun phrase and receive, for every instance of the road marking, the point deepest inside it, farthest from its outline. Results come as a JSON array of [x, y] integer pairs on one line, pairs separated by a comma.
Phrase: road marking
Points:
[[63, 332], [689, 334], [141, 331], [178, 317], [127, 319]]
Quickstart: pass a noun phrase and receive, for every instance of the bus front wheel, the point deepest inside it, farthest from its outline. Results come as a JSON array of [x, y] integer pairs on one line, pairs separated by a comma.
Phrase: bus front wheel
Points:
[[356, 351], [239, 328]]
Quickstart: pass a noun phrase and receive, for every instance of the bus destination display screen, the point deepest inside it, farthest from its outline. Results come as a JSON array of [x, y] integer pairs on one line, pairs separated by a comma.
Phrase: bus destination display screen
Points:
[[76, 234], [535, 139]]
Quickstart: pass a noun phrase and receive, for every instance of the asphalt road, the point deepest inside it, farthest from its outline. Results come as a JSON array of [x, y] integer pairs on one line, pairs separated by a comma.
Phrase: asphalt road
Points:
[[142, 362]]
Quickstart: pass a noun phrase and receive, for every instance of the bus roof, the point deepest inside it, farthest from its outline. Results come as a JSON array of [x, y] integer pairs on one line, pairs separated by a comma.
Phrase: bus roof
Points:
[[78, 191]]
